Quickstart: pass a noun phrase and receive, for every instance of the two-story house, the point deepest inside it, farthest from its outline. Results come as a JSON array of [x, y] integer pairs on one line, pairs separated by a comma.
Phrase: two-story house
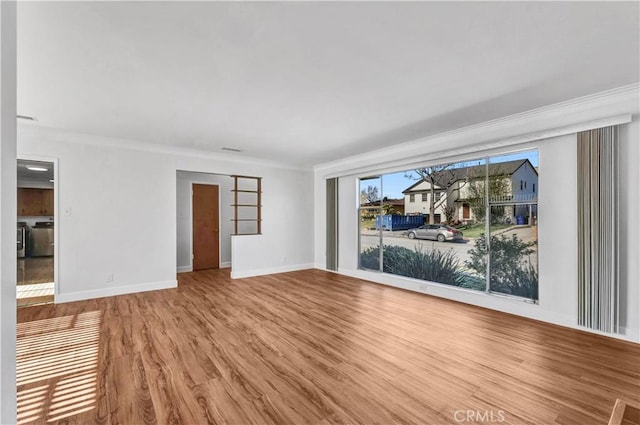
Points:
[[417, 200], [512, 186]]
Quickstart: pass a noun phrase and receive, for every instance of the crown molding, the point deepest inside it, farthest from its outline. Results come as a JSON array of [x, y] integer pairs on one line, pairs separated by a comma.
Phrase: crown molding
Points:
[[66, 136], [510, 130], [609, 107]]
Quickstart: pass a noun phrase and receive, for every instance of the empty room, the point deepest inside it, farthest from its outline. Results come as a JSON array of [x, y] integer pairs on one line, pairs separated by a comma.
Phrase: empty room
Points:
[[320, 212]]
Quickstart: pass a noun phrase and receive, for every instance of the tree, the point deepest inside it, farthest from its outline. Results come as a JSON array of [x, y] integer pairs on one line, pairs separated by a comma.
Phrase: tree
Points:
[[440, 177], [498, 187], [388, 209], [369, 195], [449, 214]]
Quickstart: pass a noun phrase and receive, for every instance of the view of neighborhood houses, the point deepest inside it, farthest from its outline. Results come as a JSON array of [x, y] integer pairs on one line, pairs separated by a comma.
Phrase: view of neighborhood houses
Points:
[[455, 223]]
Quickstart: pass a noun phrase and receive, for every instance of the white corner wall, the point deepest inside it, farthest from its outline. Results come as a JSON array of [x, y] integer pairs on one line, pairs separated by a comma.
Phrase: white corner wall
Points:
[[118, 212], [286, 243], [557, 203], [630, 228], [185, 180]]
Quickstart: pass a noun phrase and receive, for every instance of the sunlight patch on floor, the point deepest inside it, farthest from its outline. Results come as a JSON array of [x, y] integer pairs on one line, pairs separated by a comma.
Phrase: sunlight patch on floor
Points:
[[34, 290], [57, 361]]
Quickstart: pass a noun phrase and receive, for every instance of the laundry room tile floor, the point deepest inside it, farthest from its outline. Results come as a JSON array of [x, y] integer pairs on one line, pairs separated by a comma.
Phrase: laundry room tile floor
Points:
[[35, 281]]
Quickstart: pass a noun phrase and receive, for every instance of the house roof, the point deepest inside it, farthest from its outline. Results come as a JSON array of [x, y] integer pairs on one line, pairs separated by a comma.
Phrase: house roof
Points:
[[394, 202], [446, 177]]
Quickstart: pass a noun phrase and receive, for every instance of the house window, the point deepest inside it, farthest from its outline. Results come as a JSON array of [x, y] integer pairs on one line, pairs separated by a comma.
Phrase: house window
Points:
[[534, 188], [500, 253]]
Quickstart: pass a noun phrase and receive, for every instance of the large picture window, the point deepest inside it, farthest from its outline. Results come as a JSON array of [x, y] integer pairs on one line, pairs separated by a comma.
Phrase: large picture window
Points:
[[473, 224]]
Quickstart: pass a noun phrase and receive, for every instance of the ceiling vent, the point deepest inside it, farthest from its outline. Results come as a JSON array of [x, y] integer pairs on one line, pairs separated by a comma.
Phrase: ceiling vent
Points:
[[26, 118], [231, 150]]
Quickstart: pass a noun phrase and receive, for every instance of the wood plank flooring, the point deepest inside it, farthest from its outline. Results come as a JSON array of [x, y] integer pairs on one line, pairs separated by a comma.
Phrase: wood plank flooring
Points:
[[309, 347]]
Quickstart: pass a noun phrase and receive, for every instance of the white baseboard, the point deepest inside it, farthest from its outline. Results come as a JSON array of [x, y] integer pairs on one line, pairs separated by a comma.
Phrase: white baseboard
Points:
[[113, 291], [188, 269], [270, 270]]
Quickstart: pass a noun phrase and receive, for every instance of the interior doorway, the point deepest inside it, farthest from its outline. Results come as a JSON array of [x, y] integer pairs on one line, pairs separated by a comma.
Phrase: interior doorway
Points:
[[185, 227], [205, 208], [36, 231]]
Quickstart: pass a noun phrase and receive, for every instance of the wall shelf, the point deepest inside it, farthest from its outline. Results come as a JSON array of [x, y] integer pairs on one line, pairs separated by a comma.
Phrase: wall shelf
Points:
[[243, 185]]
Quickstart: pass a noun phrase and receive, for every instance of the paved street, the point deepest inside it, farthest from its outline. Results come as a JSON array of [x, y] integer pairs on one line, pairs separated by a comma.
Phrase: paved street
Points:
[[461, 248], [370, 238]]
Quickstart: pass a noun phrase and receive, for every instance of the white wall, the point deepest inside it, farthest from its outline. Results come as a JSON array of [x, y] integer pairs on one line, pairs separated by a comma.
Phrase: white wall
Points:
[[118, 211], [8, 168], [286, 242], [184, 235], [557, 209]]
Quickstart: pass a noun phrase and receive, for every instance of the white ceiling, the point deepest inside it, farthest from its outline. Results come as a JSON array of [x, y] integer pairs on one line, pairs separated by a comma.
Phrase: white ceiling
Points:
[[304, 82], [34, 176]]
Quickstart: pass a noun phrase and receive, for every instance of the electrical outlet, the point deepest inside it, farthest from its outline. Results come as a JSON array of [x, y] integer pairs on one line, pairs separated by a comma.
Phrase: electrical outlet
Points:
[[110, 277], [423, 287]]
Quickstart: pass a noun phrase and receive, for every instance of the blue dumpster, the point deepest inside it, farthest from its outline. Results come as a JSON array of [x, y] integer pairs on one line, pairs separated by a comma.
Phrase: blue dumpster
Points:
[[520, 220], [399, 222]]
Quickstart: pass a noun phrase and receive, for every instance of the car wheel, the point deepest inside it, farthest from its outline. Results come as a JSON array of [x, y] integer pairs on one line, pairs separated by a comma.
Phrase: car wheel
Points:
[[411, 235], [441, 238]]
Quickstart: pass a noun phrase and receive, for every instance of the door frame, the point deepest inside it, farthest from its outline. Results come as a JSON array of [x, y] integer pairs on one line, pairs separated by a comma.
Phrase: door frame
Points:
[[56, 216], [191, 183]]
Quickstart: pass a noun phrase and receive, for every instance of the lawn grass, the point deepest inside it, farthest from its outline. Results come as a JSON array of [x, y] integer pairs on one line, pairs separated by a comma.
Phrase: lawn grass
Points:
[[475, 230], [367, 224]]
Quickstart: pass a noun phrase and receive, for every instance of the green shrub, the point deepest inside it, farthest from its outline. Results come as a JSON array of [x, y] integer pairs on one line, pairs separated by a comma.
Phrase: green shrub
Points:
[[477, 283], [370, 258], [433, 265], [510, 274]]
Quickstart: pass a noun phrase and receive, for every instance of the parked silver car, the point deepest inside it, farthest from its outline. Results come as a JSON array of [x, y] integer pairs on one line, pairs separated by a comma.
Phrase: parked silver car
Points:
[[438, 232]]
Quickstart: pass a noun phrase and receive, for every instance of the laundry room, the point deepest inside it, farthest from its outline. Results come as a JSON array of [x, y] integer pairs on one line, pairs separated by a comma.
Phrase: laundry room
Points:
[[35, 232]]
